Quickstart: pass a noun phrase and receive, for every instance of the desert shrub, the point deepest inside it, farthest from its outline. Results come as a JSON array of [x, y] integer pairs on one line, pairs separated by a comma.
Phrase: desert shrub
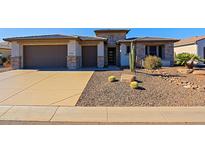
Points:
[[134, 85], [112, 79], [182, 58], [152, 62]]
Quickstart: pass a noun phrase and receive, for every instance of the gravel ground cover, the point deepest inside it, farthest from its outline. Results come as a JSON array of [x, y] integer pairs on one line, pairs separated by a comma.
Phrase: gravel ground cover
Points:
[[164, 87]]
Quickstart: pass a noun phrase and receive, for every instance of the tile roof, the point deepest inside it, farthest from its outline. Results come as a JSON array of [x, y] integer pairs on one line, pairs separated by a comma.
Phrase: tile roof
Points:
[[54, 36], [5, 45], [187, 41], [141, 39]]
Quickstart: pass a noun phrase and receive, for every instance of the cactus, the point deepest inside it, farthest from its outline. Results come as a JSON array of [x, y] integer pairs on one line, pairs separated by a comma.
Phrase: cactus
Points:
[[132, 57]]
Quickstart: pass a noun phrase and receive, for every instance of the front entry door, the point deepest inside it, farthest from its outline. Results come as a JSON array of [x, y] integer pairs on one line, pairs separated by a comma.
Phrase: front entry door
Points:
[[111, 56]]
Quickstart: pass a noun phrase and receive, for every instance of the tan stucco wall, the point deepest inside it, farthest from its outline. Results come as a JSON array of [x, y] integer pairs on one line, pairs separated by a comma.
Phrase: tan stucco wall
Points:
[[5, 52], [188, 49]]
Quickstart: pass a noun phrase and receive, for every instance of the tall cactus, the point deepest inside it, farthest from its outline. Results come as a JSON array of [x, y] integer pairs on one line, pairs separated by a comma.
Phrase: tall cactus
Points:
[[132, 58]]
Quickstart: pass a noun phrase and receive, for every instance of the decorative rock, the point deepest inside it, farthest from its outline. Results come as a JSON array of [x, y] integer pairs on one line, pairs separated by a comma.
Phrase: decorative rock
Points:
[[127, 78], [187, 86], [185, 71]]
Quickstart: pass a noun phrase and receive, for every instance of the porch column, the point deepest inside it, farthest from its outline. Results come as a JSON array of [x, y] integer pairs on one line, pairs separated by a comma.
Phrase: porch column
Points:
[[157, 48], [140, 54], [169, 53], [73, 55], [100, 55], [16, 55]]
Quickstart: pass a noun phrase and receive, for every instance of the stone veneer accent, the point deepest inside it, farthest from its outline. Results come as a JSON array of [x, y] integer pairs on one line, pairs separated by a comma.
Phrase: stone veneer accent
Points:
[[140, 54], [16, 62], [100, 61], [73, 62], [169, 52], [112, 37]]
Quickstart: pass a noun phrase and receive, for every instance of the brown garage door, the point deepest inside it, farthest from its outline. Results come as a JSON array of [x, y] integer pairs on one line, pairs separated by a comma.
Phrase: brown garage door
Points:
[[89, 56], [45, 56]]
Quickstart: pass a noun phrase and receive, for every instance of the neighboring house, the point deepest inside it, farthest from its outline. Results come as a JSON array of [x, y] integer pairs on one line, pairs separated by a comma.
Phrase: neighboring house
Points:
[[194, 45], [5, 49], [109, 47]]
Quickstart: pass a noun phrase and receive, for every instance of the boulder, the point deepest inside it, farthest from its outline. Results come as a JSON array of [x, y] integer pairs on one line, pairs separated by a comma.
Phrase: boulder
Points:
[[127, 78]]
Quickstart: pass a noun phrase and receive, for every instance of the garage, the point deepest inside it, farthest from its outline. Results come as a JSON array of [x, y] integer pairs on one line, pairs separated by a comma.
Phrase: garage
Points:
[[89, 56], [45, 56]]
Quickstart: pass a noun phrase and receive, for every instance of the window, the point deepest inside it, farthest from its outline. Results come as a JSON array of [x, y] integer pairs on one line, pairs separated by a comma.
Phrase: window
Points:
[[146, 50], [153, 50], [160, 52], [128, 50]]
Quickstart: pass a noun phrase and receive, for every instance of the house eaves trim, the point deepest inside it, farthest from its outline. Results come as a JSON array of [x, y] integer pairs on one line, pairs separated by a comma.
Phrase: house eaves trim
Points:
[[55, 37], [184, 45]]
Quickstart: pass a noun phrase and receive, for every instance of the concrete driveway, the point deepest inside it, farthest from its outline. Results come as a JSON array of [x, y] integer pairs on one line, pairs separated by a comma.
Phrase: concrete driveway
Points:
[[32, 87]]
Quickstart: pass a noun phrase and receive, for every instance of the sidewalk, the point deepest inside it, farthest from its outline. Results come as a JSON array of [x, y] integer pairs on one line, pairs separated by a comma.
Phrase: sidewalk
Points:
[[101, 115]]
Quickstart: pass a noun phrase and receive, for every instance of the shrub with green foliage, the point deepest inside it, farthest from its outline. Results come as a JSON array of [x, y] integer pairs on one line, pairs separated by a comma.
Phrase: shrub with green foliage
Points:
[[182, 58], [187, 59], [112, 79], [134, 85], [152, 62]]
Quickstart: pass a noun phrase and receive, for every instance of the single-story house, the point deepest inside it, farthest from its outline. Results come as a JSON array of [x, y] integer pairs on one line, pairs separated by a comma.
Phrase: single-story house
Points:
[[5, 49], [109, 47], [193, 45]]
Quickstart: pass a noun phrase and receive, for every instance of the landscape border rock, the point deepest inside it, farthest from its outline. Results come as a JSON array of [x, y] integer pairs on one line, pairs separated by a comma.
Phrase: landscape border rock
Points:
[[185, 70]]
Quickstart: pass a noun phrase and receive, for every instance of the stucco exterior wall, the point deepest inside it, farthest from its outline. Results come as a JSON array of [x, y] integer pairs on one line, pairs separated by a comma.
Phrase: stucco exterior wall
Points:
[[188, 49], [100, 48], [200, 48]]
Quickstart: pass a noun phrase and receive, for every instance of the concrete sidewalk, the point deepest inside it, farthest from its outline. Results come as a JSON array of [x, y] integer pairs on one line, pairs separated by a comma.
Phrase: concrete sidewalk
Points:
[[101, 115]]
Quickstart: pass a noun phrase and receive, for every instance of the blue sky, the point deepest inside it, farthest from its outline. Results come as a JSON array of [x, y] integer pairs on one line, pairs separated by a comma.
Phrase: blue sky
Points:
[[158, 32]]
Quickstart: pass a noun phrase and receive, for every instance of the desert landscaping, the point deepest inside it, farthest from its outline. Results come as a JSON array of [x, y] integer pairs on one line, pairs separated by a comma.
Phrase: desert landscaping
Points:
[[168, 86]]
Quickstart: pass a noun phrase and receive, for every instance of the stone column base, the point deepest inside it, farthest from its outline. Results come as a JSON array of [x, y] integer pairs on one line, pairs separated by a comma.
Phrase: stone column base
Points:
[[73, 62], [100, 61], [16, 62]]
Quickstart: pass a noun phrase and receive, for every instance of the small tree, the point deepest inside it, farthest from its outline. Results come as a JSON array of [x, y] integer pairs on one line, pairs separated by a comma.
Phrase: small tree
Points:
[[132, 58]]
